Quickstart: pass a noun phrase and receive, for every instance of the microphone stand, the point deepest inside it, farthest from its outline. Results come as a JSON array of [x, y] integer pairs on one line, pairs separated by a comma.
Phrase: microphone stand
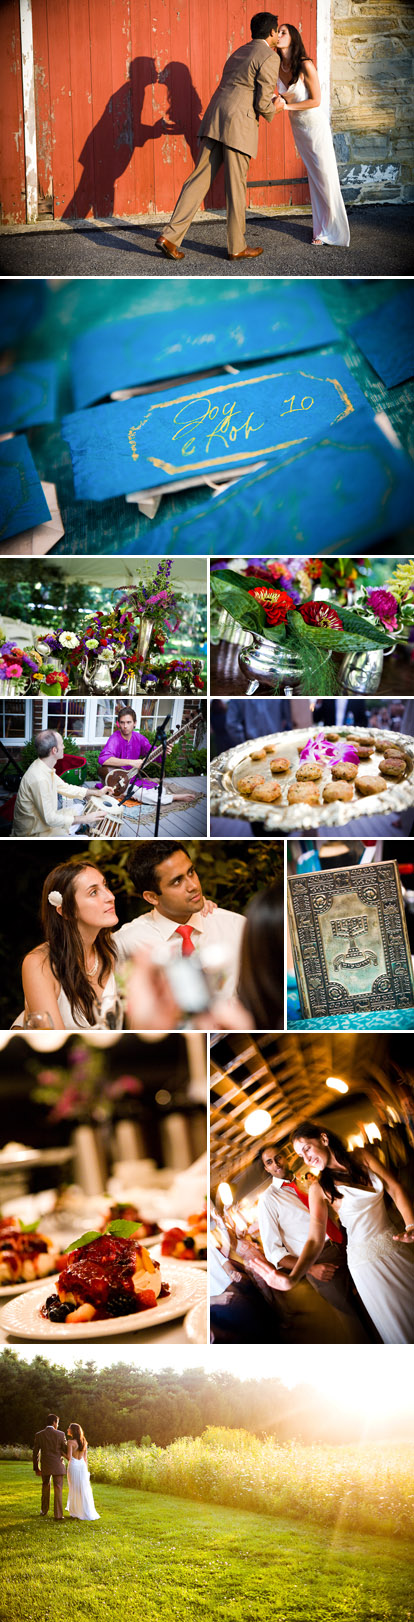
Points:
[[160, 738]]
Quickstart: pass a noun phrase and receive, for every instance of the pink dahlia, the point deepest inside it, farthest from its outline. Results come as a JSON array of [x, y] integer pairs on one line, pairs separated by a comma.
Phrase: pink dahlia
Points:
[[385, 606]]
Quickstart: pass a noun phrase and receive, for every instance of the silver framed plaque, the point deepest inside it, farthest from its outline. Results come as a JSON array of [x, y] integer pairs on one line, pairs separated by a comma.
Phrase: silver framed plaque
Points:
[[349, 941]]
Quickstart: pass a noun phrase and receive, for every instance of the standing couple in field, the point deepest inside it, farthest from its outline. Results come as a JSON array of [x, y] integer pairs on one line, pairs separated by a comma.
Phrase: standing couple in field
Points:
[[50, 1450], [271, 74]]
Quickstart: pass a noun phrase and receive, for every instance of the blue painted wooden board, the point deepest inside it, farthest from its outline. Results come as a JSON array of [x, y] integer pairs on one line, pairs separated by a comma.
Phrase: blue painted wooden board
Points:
[[346, 489], [22, 503], [264, 319], [386, 338], [198, 429], [22, 306], [28, 395]]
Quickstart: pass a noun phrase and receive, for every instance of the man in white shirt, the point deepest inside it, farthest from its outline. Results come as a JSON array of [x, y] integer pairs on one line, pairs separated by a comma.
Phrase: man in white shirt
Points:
[[165, 877], [36, 814], [283, 1215]]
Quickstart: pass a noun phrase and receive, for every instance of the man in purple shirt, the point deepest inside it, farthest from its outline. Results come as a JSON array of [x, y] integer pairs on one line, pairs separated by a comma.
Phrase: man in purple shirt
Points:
[[124, 748]]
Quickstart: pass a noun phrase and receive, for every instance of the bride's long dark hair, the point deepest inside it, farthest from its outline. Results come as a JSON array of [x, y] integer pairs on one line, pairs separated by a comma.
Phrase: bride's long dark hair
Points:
[[78, 1435], [352, 1161], [65, 944], [298, 55]]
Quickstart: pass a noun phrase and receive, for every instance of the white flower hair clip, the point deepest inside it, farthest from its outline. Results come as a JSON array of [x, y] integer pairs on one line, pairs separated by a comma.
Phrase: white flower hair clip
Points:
[[55, 898]]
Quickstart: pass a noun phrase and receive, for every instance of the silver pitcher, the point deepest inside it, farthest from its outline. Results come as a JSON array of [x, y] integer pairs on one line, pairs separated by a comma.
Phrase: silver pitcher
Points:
[[361, 672], [274, 664]]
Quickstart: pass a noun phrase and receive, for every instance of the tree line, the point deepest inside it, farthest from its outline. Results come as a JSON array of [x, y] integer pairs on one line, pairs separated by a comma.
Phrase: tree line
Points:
[[123, 1403]]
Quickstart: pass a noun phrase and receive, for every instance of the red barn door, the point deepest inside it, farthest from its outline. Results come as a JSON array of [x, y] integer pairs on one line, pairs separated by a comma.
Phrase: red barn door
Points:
[[120, 86]]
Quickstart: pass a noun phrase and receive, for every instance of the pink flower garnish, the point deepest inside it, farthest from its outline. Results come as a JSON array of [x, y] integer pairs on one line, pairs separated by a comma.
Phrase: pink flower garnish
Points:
[[320, 749]]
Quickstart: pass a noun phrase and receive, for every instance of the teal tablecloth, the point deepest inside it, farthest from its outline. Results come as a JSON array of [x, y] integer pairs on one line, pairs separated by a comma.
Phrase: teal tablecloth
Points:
[[392, 1019]]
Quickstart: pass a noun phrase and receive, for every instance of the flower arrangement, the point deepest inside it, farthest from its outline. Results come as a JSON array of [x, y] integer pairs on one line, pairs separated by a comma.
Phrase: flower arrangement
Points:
[[31, 670], [80, 1091], [110, 637], [312, 628], [391, 605]]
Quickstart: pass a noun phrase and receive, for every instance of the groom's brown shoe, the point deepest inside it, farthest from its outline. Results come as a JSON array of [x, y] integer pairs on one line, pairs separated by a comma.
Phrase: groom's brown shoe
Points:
[[169, 248], [247, 253]]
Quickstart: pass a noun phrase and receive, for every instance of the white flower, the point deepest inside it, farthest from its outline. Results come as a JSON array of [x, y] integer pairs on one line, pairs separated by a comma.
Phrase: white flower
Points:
[[68, 639], [55, 898], [92, 642]]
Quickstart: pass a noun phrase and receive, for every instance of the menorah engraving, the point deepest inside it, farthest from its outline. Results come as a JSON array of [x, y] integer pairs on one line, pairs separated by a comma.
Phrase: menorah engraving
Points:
[[353, 958]]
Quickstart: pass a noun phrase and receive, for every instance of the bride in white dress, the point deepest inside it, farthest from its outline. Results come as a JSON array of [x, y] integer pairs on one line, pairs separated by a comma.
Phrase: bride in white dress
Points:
[[72, 972], [80, 1504], [299, 89], [381, 1262]]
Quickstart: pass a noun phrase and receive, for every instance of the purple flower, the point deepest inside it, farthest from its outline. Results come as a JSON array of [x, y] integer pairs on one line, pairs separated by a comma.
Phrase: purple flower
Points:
[[385, 606]]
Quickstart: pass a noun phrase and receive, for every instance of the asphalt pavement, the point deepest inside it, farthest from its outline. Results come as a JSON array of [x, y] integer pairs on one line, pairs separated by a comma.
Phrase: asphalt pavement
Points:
[[382, 244]]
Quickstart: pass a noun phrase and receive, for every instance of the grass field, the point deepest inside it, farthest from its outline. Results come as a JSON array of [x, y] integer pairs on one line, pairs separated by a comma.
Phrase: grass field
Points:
[[175, 1561]]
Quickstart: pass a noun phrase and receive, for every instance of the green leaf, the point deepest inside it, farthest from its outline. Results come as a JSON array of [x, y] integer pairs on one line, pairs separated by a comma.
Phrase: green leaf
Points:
[[274, 633], [230, 577], [29, 1227], [121, 1229], [363, 627], [85, 1239], [326, 636], [244, 609]]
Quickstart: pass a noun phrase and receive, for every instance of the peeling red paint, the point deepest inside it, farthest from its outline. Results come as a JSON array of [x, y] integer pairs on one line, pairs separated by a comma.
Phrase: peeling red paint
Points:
[[119, 92]]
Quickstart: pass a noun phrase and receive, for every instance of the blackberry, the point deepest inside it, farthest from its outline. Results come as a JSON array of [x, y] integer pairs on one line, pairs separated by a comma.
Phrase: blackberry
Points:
[[57, 1310]]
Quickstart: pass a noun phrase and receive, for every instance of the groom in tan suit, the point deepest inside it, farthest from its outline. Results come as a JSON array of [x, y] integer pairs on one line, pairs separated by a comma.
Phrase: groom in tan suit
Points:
[[229, 134]]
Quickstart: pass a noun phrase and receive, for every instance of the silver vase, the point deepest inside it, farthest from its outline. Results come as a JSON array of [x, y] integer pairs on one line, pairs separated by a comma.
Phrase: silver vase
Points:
[[146, 627], [274, 664], [361, 672]]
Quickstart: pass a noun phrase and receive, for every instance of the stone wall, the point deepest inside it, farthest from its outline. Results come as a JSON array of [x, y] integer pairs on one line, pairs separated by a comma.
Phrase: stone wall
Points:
[[372, 98]]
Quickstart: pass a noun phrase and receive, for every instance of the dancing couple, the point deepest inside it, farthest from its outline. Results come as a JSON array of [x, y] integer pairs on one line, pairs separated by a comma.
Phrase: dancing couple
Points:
[[50, 1449], [300, 1240], [271, 74]]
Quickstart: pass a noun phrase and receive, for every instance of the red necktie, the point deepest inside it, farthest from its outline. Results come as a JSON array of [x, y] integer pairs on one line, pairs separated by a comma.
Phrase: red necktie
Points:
[[185, 930]]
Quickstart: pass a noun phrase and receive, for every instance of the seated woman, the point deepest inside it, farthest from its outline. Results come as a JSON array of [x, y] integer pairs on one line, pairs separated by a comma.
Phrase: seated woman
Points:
[[73, 968], [124, 748]]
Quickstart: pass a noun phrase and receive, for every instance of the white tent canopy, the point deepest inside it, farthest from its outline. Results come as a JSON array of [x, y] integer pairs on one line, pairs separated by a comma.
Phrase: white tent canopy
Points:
[[187, 574]]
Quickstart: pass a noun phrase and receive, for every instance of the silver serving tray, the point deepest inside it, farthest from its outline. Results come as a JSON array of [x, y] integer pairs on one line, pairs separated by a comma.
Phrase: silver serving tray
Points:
[[227, 769]]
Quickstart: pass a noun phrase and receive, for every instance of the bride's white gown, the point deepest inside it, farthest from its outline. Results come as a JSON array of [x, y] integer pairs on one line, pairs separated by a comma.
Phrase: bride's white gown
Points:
[[313, 139], [382, 1270], [80, 1503]]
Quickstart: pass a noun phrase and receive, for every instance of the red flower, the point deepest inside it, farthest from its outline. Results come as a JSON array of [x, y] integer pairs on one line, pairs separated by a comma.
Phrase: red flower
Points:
[[54, 676], [320, 614], [313, 567], [275, 603]]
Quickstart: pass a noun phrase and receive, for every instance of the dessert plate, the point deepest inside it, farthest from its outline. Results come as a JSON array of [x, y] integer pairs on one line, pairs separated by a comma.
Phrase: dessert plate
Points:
[[157, 1257], [23, 1318], [26, 1284], [196, 1324], [227, 771]]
